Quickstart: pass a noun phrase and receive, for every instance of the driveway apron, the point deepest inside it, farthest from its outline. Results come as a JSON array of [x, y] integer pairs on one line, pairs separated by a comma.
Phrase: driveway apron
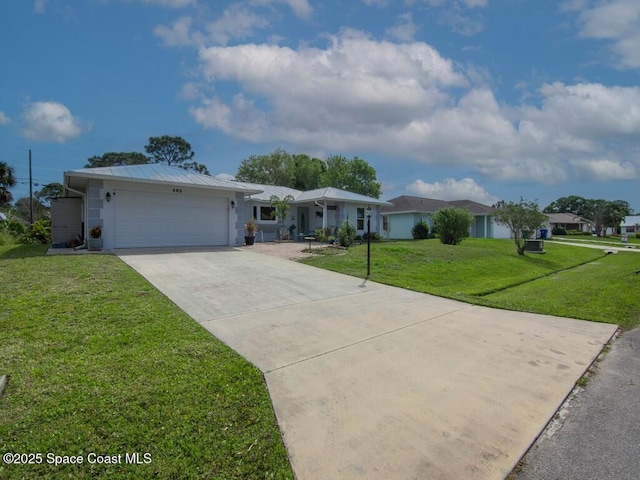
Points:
[[376, 382]]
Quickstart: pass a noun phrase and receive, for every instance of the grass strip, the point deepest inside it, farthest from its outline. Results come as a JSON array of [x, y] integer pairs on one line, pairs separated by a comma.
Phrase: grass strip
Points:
[[100, 362], [566, 281]]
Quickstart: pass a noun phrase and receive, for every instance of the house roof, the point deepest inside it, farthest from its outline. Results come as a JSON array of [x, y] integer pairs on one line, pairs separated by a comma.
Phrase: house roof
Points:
[[566, 218], [319, 194], [410, 204], [267, 191], [331, 193], [154, 173], [630, 221]]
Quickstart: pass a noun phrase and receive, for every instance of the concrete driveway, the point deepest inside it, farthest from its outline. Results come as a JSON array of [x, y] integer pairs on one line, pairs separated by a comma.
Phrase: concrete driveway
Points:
[[375, 382]]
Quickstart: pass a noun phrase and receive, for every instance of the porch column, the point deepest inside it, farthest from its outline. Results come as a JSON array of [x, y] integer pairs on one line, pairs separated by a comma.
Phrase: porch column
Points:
[[324, 214], [485, 226]]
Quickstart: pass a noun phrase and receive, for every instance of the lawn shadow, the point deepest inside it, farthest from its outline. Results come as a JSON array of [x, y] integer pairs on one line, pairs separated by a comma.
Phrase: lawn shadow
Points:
[[22, 251]]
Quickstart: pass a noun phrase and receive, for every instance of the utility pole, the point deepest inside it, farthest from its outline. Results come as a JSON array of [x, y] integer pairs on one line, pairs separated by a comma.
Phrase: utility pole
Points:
[[30, 192]]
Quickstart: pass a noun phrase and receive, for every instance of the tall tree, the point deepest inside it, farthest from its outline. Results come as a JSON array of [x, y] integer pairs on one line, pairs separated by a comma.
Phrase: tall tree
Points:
[[169, 150], [520, 217], [354, 175], [116, 159], [276, 168], [307, 171], [49, 191], [573, 204], [7, 181], [23, 209], [603, 213]]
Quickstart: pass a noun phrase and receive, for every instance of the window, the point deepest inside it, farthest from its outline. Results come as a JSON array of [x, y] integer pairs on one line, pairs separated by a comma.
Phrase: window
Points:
[[360, 217], [385, 223], [264, 213]]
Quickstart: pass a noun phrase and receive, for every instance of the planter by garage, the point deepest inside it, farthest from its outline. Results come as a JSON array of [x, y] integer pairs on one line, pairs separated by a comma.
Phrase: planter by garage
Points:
[[95, 243], [249, 240]]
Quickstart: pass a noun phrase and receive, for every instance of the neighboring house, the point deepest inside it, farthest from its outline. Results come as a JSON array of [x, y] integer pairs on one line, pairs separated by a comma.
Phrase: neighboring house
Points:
[[155, 205], [630, 225], [310, 210], [568, 221], [406, 211]]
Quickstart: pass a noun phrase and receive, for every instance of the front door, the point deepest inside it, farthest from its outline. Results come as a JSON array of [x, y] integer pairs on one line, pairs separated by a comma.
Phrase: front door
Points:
[[303, 220]]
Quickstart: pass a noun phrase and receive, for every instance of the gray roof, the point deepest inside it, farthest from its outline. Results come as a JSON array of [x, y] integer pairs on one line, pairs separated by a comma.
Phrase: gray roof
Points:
[[319, 194], [409, 204], [159, 173], [331, 193], [269, 190], [630, 221], [566, 218]]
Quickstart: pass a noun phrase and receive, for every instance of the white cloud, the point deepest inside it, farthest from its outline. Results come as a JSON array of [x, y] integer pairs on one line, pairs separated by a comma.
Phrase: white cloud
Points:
[[301, 8], [170, 3], [50, 121], [178, 34], [617, 21], [39, 6], [4, 119], [359, 95], [236, 22], [404, 30], [452, 189]]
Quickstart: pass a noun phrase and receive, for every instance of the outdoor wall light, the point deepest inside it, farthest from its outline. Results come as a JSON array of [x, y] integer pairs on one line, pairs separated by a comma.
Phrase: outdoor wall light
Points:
[[108, 196], [233, 204]]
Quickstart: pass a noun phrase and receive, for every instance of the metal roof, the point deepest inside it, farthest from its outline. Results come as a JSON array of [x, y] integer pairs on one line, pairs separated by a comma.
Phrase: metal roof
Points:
[[331, 193], [159, 173], [269, 190]]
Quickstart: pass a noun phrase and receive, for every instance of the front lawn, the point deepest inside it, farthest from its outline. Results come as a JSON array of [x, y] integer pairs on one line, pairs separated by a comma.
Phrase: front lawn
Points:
[[569, 281], [101, 363]]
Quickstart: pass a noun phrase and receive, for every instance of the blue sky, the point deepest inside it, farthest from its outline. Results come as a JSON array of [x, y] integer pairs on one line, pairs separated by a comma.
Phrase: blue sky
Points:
[[481, 99]]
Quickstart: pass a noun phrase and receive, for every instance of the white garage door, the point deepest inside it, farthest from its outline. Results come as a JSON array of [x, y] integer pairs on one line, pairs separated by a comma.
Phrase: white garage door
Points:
[[149, 219]]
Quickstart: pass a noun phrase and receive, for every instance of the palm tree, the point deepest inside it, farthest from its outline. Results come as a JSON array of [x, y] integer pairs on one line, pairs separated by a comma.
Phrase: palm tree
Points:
[[7, 181], [281, 210]]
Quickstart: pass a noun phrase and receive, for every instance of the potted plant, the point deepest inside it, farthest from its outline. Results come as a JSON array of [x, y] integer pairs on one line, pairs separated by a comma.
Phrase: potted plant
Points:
[[251, 228], [95, 238]]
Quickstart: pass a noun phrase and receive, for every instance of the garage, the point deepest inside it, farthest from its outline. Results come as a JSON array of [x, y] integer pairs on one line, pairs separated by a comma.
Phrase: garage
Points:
[[156, 205], [153, 219]]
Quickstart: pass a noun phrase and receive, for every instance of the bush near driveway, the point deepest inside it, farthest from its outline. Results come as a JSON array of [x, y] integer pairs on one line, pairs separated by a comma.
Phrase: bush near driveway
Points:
[[101, 362]]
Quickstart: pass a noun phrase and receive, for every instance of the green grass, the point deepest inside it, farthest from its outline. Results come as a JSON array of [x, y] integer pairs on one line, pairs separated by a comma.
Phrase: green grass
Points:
[[612, 240], [568, 281], [100, 362]]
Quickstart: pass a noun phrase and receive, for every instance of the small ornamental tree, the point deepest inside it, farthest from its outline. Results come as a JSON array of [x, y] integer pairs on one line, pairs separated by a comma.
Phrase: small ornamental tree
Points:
[[281, 210], [520, 217], [346, 234], [452, 224]]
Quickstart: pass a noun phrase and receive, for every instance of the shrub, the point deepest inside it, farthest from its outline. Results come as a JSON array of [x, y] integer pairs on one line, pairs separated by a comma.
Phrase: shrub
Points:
[[6, 238], [320, 235], [558, 231], [375, 236], [39, 233], [638, 235], [346, 234], [452, 224], [13, 227], [420, 231]]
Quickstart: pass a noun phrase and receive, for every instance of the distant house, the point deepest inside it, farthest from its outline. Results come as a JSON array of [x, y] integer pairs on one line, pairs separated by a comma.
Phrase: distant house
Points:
[[630, 225], [569, 221], [406, 211]]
